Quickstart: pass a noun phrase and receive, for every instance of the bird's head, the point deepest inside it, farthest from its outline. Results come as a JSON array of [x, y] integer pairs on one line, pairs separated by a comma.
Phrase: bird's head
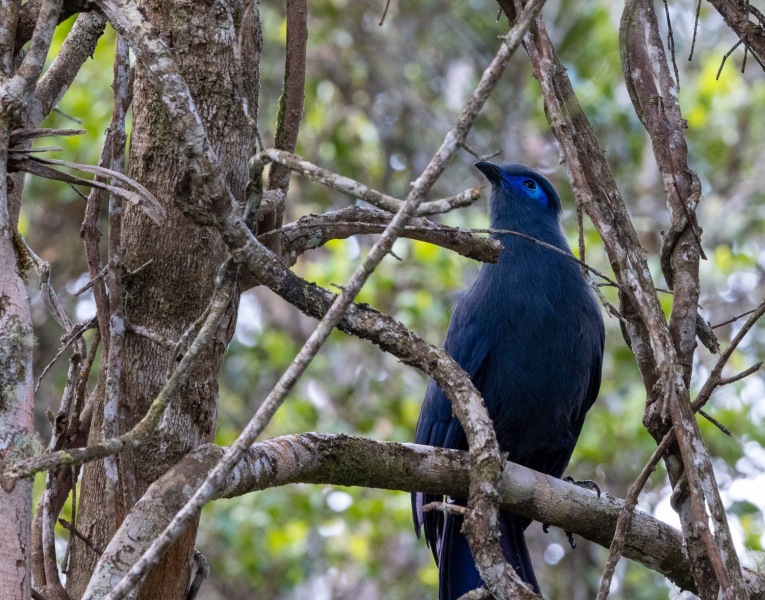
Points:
[[520, 196]]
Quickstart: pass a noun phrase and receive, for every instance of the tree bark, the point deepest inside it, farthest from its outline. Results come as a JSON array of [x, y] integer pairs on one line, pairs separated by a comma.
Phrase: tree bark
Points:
[[169, 294]]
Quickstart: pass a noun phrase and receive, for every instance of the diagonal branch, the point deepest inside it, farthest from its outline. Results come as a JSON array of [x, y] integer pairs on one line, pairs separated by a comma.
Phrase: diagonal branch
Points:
[[354, 189], [79, 45], [715, 378]]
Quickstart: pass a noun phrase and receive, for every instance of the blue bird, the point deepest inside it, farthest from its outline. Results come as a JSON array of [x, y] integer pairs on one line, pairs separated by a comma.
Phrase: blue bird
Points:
[[530, 335]]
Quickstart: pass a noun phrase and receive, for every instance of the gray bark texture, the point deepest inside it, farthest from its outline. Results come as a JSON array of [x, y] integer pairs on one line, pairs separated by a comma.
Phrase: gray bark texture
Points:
[[170, 293]]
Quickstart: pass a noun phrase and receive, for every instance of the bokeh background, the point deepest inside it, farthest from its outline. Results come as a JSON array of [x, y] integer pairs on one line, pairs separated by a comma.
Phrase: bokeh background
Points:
[[379, 99]]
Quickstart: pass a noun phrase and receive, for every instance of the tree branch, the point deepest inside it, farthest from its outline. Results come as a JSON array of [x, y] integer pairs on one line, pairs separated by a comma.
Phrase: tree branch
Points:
[[736, 15], [146, 426], [76, 49], [313, 231], [647, 331], [352, 461], [354, 189]]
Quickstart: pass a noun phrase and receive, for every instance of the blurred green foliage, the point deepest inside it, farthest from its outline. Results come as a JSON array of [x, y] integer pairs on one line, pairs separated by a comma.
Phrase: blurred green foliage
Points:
[[378, 101]]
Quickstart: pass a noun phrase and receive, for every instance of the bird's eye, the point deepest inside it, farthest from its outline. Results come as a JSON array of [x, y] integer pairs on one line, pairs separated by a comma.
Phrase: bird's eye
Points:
[[528, 183]]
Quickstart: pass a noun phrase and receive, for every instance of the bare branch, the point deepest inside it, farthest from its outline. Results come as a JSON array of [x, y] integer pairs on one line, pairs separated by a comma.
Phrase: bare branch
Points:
[[293, 92], [352, 461], [77, 48], [736, 15], [715, 379], [314, 231], [626, 514], [354, 189], [116, 270]]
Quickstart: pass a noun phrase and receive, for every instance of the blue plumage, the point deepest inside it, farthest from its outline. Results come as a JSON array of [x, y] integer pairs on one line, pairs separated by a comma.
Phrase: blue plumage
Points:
[[530, 335]]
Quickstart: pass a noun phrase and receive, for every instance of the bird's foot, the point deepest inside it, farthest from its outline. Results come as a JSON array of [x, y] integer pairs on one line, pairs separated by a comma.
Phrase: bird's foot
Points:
[[587, 484], [569, 535]]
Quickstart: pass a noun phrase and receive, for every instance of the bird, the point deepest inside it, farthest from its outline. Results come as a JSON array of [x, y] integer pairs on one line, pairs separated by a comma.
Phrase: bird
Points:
[[530, 335]]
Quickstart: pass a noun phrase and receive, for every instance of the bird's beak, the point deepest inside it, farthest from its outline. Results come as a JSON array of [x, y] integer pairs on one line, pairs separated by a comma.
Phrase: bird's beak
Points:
[[490, 171]]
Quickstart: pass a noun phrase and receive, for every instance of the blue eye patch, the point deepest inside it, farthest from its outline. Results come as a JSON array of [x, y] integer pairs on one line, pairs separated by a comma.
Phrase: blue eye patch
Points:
[[524, 186]]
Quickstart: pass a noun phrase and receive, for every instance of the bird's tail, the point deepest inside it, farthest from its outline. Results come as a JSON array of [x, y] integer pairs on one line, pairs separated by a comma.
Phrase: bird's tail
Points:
[[457, 573], [514, 547]]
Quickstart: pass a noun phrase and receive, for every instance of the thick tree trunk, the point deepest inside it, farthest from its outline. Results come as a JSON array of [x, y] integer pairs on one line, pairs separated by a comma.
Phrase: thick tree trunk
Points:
[[171, 292]]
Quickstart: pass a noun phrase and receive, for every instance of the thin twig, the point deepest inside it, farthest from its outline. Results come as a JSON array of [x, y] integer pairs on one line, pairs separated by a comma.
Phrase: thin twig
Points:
[[714, 380], [144, 429], [91, 282], [716, 423], [625, 515], [568, 255], [385, 13], [110, 425], [734, 319], [671, 44], [695, 29], [354, 189], [73, 530], [446, 507]]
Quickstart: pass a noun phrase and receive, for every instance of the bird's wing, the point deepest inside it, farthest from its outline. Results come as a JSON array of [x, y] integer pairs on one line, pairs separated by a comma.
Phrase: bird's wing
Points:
[[468, 344], [595, 343]]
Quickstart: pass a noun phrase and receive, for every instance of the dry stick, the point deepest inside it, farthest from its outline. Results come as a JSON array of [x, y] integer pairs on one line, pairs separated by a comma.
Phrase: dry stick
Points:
[[714, 380], [90, 283], [625, 515], [110, 427], [78, 46], [313, 231], [332, 318], [90, 233], [671, 44], [354, 189], [734, 319], [695, 29]]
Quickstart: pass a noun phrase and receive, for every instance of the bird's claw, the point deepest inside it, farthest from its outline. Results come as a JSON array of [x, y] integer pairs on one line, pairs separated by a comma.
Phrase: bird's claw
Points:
[[570, 537], [587, 484]]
